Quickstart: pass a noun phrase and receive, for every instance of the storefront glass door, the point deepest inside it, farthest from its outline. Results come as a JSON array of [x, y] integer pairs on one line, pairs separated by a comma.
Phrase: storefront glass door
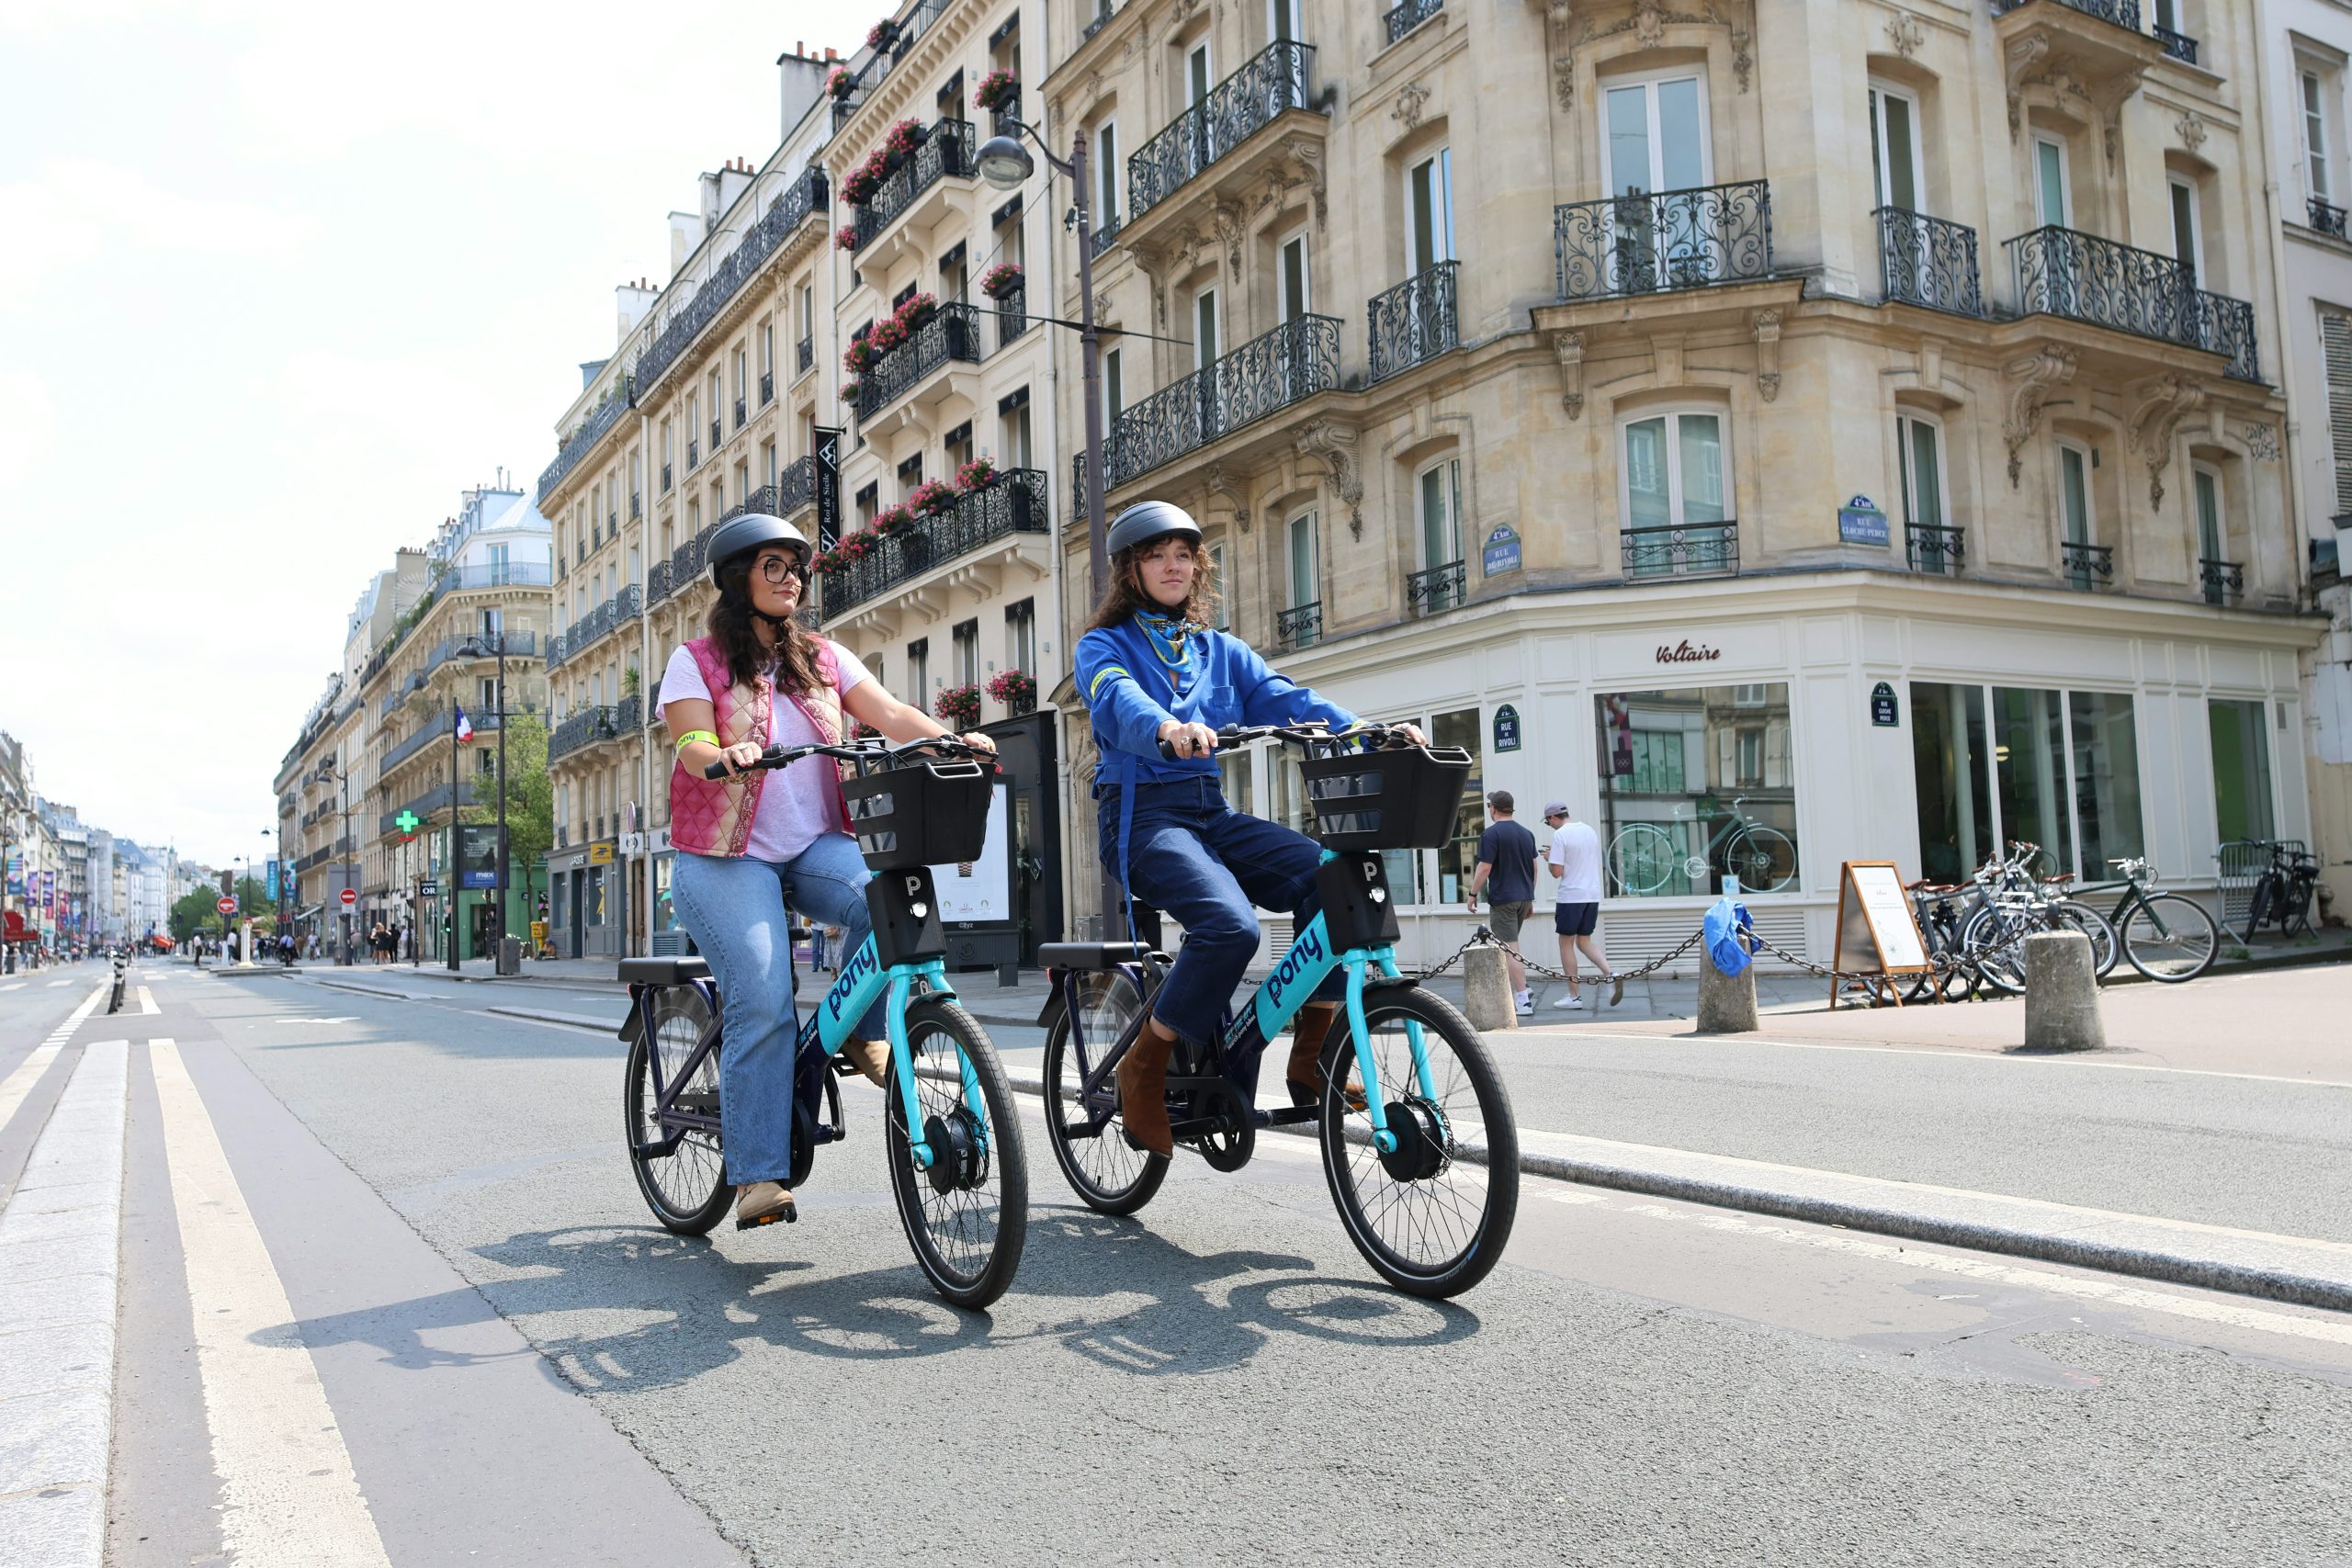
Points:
[[1950, 758], [2241, 770], [2056, 769], [2029, 754], [2104, 745]]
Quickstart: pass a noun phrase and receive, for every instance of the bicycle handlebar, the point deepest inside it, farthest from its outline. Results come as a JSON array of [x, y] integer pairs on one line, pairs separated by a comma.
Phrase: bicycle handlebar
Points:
[[1301, 735], [865, 751]]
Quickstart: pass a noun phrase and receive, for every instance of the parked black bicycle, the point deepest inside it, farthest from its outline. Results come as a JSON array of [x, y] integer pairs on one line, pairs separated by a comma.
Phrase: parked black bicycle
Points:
[[2165, 936], [2283, 894]]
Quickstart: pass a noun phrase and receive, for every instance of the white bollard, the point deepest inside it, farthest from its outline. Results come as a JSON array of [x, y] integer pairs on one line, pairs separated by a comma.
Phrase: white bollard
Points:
[[1486, 990], [2062, 993]]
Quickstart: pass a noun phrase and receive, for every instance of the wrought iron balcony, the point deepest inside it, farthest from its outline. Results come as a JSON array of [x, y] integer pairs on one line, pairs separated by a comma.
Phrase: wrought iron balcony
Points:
[[1011, 317], [1234, 110], [795, 487], [2222, 581], [1694, 549], [594, 428], [742, 411], [1928, 261], [636, 505], [808, 195], [658, 581], [2326, 218], [2087, 566], [1014, 503], [1402, 19], [438, 727], [2178, 46], [491, 574], [585, 728], [805, 354], [1108, 235], [665, 478], [628, 714], [2122, 13], [1439, 588], [1938, 551], [693, 453], [716, 440], [2063, 272], [426, 805], [945, 152], [767, 388], [1094, 23], [1659, 240], [1415, 320], [1289, 365], [1301, 626], [951, 333], [598, 623]]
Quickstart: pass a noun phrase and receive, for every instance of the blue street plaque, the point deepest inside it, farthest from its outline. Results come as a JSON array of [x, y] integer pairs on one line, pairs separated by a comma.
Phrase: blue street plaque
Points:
[[1501, 552], [1506, 728], [1859, 523]]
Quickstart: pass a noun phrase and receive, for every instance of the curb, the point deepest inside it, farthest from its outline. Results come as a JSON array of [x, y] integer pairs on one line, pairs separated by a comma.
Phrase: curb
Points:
[[604, 1027], [2170, 1268]]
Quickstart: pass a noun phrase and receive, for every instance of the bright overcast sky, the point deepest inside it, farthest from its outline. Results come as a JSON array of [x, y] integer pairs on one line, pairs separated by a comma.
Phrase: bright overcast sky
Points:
[[276, 282]]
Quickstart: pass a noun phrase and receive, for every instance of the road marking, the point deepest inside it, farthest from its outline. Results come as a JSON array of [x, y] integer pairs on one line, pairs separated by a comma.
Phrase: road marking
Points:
[[54, 984], [289, 1492], [60, 1241], [13, 986], [64, 1031], [147, 1001], [318, 1020], [19, 1083]]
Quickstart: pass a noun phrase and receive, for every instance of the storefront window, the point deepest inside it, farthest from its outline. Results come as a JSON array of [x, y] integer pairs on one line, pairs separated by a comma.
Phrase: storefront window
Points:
[[1949, 759], [2029, 749], [1698, 786], [665, 915], [561, 918], [1457, 862], [2106, 778], [2056, 769], [595, 896], [2241, 769]]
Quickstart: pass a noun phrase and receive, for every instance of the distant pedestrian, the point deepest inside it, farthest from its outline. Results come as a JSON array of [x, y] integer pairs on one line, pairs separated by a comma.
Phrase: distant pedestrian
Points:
[[1507, 867], [1575, 861]]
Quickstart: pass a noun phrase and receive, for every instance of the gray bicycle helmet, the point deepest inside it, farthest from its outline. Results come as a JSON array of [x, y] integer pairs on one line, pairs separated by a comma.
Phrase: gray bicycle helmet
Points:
[[752, 531], [1146, 520]]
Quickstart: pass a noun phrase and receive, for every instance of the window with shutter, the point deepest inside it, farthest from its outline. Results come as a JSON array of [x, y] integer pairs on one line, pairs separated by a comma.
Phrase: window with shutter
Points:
[[2336, 342]]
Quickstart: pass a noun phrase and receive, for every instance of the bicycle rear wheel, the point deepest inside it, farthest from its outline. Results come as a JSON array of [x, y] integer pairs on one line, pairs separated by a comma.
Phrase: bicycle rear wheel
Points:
[[1997, 950], [686, 1188], [2104, 949], [968, 1214], [1433, 1216], [2176, 941], [1111, 1177], [1762, 858], [1642, 858]]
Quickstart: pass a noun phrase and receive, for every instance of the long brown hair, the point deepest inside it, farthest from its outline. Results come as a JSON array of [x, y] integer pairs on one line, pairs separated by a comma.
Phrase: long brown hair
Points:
[[729, 626], [1126, 592]]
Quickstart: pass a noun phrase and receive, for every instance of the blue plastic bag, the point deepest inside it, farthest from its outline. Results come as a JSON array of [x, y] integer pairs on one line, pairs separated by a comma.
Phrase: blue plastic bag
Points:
[[1726, 918]]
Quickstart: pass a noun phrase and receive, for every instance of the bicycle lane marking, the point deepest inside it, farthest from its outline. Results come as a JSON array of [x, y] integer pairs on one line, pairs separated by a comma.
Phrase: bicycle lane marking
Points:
[[19, 1084], [290, 1492]]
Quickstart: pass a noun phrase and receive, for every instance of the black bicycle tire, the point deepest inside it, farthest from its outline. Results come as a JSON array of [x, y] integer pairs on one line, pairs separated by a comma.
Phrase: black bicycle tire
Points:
[[2123, 933], [2089, 926], [1987, 972], [982, 1287], [1748, 835], [683, 1219], [1102, 1201], [2304, 893], [2258, 905], [1493, 1232]]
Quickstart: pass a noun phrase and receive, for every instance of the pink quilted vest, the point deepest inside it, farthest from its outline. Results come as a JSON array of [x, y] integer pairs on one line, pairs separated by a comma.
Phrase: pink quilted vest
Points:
[[713, 816]]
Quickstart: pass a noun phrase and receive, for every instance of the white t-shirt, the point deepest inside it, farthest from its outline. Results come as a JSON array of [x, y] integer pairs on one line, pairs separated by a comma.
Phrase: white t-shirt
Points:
[[1576, 860], [795, 804]]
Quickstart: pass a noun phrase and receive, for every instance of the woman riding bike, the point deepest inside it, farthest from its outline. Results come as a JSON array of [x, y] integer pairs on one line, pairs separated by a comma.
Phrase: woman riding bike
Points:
[[1152, 670], [752, 841]]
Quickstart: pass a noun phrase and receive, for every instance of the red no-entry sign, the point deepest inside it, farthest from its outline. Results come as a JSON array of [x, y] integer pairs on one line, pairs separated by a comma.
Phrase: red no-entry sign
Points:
[[350, 896], [226, 906]]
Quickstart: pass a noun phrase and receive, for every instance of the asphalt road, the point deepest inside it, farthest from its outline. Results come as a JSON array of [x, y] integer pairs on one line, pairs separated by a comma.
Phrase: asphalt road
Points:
[[520, 1368]]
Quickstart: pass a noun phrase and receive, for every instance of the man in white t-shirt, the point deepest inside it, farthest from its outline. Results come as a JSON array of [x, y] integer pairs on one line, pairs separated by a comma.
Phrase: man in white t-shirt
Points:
[[1575, 861]]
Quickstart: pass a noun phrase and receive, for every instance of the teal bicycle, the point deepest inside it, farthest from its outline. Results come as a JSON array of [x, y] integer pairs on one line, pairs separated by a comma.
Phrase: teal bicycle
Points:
[[1419, 1145]]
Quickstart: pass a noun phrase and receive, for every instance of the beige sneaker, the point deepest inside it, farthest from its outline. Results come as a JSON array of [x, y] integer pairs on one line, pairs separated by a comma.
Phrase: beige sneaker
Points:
[[763, 1203], [871, 1057]]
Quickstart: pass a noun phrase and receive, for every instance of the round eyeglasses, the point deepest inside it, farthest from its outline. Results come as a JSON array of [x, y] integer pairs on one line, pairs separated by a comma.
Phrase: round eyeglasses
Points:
[[775, 568]]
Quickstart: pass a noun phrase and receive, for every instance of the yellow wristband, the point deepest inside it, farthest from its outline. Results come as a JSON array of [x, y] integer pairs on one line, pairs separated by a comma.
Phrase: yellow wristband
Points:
[[691, 736]]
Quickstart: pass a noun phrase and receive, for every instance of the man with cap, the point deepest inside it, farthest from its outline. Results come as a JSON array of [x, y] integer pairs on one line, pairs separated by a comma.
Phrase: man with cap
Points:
[[1507, 860], [1575, 861]]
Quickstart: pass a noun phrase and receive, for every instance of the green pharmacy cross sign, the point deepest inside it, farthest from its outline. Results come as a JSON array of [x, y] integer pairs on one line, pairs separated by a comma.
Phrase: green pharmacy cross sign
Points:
[[408, 822]]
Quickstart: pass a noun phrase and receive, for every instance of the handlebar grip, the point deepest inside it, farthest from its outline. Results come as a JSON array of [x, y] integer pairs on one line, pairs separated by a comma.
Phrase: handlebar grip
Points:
[[715, 771], [1168, 751]]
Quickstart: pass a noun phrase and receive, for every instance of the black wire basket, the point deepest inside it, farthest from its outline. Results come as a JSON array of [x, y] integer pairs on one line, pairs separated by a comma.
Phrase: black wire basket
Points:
[[1403, 799], [921, 813]]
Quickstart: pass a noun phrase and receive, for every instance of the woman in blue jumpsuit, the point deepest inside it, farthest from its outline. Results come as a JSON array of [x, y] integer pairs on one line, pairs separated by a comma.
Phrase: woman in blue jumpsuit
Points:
[[1150, 670]]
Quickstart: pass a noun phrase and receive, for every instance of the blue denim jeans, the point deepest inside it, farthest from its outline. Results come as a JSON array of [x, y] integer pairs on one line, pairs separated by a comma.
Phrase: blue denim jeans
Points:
[[1205, 863], [734, 910]]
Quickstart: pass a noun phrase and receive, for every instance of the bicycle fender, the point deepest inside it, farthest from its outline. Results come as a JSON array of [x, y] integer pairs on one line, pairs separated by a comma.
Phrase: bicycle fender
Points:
[[1056, 1006], [633, 1027]]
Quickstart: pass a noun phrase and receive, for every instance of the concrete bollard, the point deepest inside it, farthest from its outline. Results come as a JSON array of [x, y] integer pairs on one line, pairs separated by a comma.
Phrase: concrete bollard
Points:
[[1727, 1002], [1486, 990], [2062, 993]]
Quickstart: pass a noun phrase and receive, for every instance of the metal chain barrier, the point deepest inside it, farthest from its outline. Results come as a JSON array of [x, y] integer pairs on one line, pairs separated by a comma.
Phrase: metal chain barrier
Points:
[[1482, 937], [1946, 964]]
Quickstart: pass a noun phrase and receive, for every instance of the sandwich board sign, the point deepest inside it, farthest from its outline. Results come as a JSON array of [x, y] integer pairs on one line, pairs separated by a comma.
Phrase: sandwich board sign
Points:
[[1878, 932]]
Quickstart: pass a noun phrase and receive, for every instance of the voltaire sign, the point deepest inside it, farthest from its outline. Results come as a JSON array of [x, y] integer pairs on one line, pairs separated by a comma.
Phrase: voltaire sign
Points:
[[1688, 652]]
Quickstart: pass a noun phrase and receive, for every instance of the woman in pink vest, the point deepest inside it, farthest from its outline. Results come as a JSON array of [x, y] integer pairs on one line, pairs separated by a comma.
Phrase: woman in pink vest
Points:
[[752, 842]]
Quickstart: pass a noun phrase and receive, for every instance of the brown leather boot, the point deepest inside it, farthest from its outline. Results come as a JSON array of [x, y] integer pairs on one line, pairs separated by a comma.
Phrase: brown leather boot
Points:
[[1143, 1089], [1304, 1077]]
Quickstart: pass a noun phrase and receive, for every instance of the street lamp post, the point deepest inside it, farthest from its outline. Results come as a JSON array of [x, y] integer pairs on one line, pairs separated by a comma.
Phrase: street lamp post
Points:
[[472, 649], [328, 773]]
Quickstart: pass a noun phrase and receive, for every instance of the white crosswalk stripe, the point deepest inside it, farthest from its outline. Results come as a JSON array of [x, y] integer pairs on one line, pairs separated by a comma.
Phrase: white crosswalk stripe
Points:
[[19, 1083]]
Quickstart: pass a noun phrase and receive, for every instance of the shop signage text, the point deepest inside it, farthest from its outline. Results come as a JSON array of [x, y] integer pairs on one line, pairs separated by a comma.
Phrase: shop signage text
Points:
[[1506, 728], [1688, 652], [1861, 522], [600, 854]]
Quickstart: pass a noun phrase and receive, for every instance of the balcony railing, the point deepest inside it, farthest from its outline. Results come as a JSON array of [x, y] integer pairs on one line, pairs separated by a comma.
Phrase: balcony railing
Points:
[[424, 805], [1402, 19], [1014, 504], [1301, 626], [795, 487], [808, 194], [665, 478], [1293, 362], [716, 440], [628, 714], [1439, 588], [1938, 551], [513, 574], [1413, 322], [592, 430], [2178, 46], [2087, 566], [767, 388], [658, 581], [742, 411], [1694, 549], [1011, 317], [1928, 261], [1108, 235], [951, 333], [636, 505], [693, 453], [2122, 13], [2222, 581], [622, 608], [2063, 272], [945, 152], [582, 729], [2326, 218], [436, 728], [1657, 241], [1235, 109]]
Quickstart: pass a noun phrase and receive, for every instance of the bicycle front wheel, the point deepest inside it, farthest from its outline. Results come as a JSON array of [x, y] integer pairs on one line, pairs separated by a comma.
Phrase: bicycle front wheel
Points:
[[2170, 938], [687, 1188], [1642, 859], [1763, 859], [966, 1213], [1433, 1215], [2104, 949], [1112, 1177], [1997, 951]]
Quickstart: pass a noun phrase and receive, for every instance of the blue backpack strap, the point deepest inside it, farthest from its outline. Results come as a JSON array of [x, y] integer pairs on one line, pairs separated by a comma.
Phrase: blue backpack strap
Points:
[[1125, 774]]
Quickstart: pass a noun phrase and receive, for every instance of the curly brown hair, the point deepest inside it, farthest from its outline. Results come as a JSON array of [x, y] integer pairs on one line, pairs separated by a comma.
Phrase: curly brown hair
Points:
[[1126, 592], [729, 626]]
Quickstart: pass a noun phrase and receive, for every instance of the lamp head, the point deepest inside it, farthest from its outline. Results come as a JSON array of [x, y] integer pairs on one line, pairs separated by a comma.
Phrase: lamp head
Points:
[[1005, 163]]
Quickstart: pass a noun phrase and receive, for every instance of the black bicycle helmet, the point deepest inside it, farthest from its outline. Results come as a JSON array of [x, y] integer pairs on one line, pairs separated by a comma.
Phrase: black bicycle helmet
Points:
[[1146, 520], [753, 531]]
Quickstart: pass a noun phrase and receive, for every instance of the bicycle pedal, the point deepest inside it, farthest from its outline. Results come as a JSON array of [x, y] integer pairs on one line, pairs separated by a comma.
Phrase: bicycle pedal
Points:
[[787, 1216]]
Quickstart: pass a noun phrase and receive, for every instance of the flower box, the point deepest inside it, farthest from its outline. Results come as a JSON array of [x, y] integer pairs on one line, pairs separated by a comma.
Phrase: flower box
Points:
[[998, 90], [959, 707], [933, 498], [977, 474], [1002, 281], [1016, 690]]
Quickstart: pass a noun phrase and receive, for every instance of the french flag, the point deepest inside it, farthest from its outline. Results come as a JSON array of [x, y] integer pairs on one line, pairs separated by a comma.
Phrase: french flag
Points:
[[465, 726]]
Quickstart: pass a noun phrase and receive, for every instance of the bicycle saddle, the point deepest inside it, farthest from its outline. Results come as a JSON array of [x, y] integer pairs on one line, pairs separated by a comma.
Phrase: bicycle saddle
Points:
[[662, 971], [1088, 955]]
